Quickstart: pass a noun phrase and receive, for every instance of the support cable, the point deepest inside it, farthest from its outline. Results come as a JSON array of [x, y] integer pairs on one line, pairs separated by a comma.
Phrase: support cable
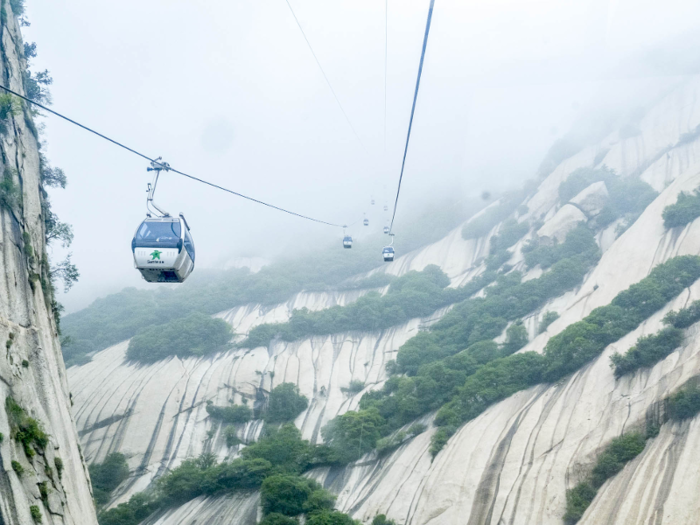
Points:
[[169, 168], [413, 109], [335, 96]]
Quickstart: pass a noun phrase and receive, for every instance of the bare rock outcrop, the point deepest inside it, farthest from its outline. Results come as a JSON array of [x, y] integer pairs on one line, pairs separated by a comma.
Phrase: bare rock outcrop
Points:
[[40, 480], [592, 200]]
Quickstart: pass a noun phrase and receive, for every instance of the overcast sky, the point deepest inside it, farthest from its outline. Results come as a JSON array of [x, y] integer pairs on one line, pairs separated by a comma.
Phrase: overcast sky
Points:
[[229, 91]]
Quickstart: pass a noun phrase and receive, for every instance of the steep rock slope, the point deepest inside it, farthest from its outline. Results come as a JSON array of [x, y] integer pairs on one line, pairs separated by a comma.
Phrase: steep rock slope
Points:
[[513, 463], [31, 369]]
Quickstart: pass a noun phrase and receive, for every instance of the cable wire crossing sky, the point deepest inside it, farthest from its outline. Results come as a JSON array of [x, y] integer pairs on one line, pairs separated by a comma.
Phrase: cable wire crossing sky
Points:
[[168, 167], [413, 110]]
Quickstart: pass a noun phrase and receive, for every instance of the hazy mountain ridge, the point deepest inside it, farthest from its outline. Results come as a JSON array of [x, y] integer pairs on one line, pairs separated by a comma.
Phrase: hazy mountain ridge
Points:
[[512, 463]]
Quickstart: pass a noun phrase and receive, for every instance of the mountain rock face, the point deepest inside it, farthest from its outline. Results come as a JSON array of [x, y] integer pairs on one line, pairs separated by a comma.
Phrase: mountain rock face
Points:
[[510, 465], [44, 478]]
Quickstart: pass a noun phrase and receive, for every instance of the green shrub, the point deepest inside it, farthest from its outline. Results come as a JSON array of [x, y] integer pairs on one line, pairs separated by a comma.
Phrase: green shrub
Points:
[[187, 481], [684, 211], [230, 414], [318, 501], [648, 351], [44, 492], [137, 509], [286, 494], [36, 513], [547, 319], [416, 294], [579, 242], [381, 519], [231, 436], [439, 440], [328, 517], [285, 403], [356, 386], [389, 443], [17, 7], [354, 433], [616, 455], [511, 231], [9, 106], [274, 465], [628, 196], [25, 430], [684, 317], [516, 338], [581, 178], [17, 467], [284, 449], [278, 519], [684, 404], [107, 476], [10, 193], [194, 335], [577, 501]]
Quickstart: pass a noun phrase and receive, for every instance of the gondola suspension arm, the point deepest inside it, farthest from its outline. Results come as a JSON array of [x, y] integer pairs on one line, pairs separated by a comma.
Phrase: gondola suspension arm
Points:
[[156, 166]]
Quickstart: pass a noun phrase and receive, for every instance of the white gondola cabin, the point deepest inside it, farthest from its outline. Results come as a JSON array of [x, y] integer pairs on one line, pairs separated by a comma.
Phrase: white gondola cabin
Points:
[[163, 249], [347, 242], [388, 253]]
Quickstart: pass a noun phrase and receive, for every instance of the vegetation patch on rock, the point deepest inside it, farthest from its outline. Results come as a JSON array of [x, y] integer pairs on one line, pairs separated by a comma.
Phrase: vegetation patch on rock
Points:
[[684, 211], [195, 335], [273, 465]]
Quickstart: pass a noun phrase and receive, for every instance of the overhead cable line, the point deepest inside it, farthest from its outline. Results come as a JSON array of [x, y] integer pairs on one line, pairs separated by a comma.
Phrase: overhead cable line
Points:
[[325, 76], [169, 168], [386, 52], [413, 109]]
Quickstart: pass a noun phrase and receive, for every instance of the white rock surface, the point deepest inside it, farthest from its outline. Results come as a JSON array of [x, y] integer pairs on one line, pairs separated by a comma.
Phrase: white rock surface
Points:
[[512, 464], [156, 415], [227, 510], [592, 200], [562, 223], [31, 366]]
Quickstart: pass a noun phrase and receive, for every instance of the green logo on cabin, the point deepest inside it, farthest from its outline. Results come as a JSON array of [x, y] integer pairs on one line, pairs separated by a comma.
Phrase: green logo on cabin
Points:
[[155, 255]]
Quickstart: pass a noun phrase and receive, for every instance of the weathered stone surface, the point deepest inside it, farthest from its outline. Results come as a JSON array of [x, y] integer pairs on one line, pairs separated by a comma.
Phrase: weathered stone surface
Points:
[[562, 223], [31, 366], [592, 200]]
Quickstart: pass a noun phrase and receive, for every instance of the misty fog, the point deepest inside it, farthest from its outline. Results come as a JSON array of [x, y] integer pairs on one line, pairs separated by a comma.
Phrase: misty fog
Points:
[[230, 92]]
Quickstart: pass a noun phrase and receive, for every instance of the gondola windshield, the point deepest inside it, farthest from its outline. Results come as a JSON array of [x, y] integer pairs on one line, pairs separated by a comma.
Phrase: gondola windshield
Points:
[[153, 234]]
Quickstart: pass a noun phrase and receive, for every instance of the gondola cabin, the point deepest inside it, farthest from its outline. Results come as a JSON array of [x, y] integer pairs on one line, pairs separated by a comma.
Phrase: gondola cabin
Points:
[[388, 254], [347, 242], [163, 249], [386, 229], [366, 222]]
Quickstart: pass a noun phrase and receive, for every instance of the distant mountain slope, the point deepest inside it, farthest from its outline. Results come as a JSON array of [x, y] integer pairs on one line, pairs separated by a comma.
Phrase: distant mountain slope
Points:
[[512, 463]]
